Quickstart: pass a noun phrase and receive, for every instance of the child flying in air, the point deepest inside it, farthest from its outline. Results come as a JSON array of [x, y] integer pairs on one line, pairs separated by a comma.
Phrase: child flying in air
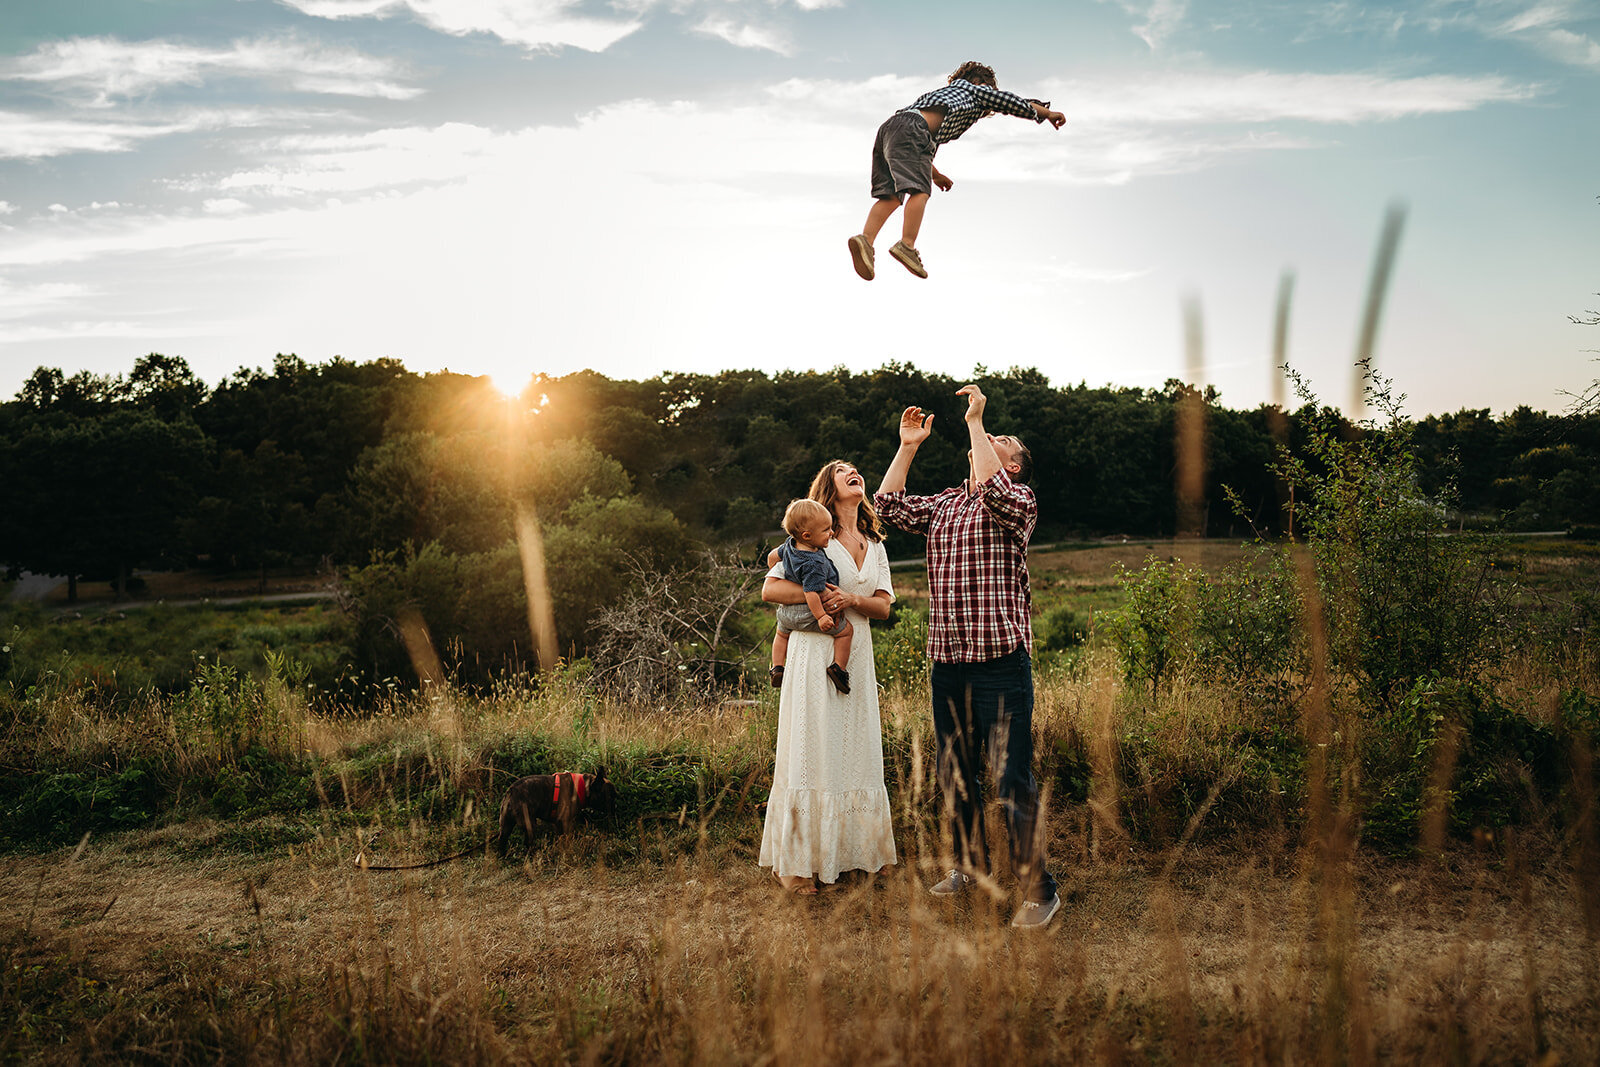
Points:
[[902, 156]]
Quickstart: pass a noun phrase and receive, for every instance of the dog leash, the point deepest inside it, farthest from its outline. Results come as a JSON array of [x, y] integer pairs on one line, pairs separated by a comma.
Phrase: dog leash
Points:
[[578, 783], [362, 864]]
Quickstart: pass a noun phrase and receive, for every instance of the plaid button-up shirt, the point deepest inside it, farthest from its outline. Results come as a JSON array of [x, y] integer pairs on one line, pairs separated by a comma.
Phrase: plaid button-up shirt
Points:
[[964, 103], [979, 599]]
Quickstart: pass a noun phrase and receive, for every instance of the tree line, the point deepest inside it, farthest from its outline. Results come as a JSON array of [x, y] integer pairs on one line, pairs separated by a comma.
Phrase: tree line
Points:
[[361, 464]]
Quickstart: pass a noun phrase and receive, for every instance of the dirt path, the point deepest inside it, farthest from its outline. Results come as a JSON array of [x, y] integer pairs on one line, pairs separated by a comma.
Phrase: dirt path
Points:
[[35, 586]]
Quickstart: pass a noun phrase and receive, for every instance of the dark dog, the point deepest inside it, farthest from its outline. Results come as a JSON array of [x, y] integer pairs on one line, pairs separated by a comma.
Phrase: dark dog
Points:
[[552, 798]]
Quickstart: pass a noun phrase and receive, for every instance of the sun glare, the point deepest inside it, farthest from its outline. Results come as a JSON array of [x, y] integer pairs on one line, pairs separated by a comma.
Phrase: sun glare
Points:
[[502, 385]]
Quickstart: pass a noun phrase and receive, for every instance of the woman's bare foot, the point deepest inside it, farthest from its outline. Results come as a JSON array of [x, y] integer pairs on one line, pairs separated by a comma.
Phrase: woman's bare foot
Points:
[[794, 883]]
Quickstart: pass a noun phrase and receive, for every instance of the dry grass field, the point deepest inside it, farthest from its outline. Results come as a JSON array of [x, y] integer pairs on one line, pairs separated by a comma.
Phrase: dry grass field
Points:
[[1211, 914], [661, 941]]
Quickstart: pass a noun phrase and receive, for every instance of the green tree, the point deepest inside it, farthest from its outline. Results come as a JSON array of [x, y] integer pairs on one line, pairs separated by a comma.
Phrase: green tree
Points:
[[255, 516], [101, 493]]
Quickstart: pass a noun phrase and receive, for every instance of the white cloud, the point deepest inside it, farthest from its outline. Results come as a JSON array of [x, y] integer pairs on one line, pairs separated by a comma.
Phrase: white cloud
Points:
[[1266, 96], [683, 165], [346, 163], [1195, 98], [1578, 49], [1544, 27], [32, 137], [17, 301], [746, 35], [7, 208], [1116, 132], [1079, 272], [102, 69], [532, 24], [1539, 16], [97, 329], [343, 9], [877, 96], [25, 136], [1161, 19]]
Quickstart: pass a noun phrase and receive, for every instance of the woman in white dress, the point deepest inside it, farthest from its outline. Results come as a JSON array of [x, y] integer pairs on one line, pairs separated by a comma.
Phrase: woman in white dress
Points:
[[829, 809]]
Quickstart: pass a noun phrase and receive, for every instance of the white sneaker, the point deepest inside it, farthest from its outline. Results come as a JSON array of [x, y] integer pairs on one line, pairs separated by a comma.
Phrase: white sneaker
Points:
[[954, 884], [908, 258], [1033, 916], [861, 256]]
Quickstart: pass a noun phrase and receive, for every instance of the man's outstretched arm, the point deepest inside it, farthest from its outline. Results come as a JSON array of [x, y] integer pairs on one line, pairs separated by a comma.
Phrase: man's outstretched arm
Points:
[[985, 460]]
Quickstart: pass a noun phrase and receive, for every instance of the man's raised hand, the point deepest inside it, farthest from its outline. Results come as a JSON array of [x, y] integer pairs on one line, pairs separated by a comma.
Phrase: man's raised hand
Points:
[[975, 402], [915, 427]]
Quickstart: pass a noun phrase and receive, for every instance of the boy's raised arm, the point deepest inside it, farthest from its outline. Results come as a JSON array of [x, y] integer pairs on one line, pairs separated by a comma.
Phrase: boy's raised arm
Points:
[[1011, 104]]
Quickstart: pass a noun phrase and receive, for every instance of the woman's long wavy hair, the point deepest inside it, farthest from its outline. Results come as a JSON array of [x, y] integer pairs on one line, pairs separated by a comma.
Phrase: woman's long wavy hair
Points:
[[824, 492]]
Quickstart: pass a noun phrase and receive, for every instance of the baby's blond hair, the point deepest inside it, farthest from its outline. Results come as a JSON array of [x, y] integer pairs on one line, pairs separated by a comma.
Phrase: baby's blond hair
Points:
[[801, 513]]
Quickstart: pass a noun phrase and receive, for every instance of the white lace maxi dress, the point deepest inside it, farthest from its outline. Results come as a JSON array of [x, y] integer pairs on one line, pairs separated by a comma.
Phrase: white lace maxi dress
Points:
[[829, 809]]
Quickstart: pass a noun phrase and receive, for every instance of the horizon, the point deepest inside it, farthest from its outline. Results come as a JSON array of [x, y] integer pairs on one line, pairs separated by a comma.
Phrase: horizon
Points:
[[644, 188]]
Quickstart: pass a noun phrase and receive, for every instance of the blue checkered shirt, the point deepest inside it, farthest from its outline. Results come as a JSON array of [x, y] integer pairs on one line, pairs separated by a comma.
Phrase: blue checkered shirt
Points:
[[964, 103]]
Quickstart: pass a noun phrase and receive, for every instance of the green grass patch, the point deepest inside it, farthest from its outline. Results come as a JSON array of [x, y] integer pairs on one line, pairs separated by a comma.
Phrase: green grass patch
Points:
[[118, 653]]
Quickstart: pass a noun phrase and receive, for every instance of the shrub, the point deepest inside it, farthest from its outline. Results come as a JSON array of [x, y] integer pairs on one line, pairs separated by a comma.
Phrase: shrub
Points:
[[1489, 763], [677, 631], [1153, 633], [1060, 629], [226, 712], [900, 651], [62, 807], [1248, 628], [1403, 599]]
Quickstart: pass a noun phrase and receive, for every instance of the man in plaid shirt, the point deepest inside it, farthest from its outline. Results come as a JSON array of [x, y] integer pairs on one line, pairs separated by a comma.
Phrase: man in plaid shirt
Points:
[[981, 645], [902, 156]]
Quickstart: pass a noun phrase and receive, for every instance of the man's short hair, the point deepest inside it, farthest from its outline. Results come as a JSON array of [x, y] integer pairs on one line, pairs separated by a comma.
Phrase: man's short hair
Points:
[[1024, 460], [976, 73]]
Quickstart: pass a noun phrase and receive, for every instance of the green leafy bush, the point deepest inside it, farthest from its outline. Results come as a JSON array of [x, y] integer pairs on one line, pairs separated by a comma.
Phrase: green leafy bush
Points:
[[1248, 628], [61, 807], [1153, 633], [1493, 762], [1404, 599], [1060, 629], [900, 651]]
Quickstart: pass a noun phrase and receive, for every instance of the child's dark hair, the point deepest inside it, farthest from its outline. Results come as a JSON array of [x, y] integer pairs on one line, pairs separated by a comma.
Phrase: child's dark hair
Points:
[[976, 73]]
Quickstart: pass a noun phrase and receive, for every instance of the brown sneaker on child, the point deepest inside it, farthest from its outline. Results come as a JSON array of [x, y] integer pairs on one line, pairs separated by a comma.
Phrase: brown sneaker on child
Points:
[[908, 256], [861, 256], [839, 677]]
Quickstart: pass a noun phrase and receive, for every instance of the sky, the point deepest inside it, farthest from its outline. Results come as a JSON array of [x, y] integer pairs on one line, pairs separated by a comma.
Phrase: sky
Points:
[[519, 187]]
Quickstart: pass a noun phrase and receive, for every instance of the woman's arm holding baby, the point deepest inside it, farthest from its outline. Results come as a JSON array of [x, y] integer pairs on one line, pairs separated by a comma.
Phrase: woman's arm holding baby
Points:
[[875, 606], [782, 591], [834, 599]]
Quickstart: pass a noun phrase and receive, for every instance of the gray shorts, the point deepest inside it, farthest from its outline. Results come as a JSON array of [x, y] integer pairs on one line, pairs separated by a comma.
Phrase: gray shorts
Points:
[[902, 157], [792, 617]]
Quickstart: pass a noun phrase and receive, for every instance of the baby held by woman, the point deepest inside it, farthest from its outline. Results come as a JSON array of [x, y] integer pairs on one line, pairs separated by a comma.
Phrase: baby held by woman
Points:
[[806, 563]]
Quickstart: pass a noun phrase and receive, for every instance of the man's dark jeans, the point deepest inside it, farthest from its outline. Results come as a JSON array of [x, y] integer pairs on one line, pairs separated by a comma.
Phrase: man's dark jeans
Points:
[[987, 708]]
